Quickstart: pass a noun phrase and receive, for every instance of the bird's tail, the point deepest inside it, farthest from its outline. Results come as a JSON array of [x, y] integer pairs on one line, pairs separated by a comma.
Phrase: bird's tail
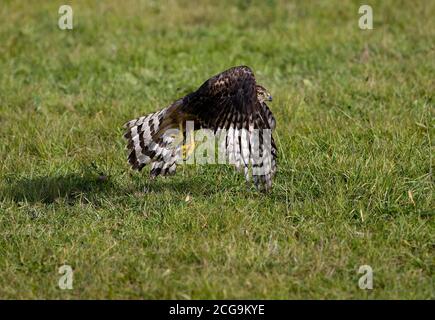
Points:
[[150, 140]]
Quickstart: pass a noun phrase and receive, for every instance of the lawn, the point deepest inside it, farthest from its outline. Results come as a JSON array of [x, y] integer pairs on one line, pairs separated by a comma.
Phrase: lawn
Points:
[[355, 132]]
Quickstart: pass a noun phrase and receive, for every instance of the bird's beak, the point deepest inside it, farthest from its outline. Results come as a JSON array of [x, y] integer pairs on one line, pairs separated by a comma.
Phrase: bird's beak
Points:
[[269, 98]]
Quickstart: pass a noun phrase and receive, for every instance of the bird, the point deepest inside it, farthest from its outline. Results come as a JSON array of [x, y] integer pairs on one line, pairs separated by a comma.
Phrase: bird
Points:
[[230, 103]]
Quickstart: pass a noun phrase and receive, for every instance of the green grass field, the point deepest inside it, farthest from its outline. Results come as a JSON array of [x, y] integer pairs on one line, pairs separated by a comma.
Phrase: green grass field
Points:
[[355, 185]]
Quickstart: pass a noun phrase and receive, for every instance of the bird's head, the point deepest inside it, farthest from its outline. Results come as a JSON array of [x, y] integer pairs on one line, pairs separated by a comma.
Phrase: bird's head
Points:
[[262, 94]]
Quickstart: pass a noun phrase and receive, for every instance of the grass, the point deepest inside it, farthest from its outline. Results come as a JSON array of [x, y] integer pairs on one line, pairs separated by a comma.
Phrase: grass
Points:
[[355, 132]]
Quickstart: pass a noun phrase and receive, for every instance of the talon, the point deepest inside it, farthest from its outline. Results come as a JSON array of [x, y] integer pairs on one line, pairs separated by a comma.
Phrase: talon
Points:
[[187, 150]]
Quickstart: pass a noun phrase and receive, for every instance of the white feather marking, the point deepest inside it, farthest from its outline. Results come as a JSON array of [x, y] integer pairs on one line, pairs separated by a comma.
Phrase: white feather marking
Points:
[[230, 143]]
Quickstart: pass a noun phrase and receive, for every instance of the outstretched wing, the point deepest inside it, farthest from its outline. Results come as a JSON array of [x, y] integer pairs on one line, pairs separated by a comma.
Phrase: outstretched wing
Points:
[[228, 103]]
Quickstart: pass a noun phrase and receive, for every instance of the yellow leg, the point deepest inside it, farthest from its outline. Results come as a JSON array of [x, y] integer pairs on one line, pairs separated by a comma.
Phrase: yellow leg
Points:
[[188, 148]]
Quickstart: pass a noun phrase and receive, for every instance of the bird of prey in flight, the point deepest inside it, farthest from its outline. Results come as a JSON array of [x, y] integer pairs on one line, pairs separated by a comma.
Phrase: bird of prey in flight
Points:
[[230, 103]]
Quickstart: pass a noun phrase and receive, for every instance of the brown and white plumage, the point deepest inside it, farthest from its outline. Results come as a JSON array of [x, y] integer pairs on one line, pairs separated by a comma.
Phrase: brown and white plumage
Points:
[[229, 102]]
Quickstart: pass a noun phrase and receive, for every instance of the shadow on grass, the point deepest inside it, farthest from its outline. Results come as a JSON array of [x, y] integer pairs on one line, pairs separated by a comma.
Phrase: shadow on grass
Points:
[[201, 183], [48, 189], [192, 186], [91, 187]]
